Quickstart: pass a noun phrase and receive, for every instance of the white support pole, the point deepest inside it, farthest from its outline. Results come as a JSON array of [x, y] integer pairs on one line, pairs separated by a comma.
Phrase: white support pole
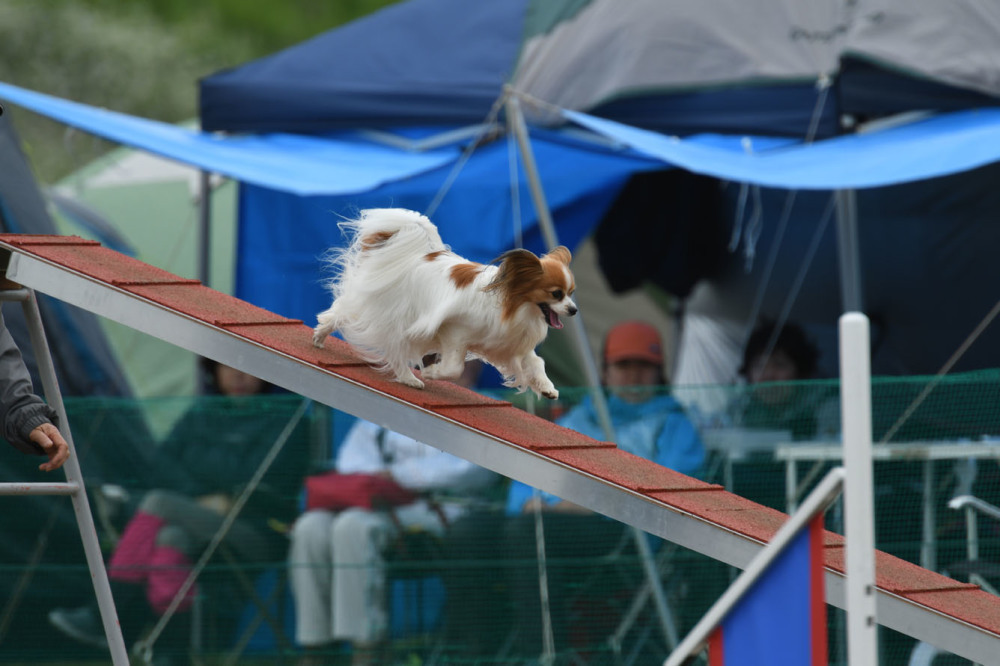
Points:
[[855, 398]]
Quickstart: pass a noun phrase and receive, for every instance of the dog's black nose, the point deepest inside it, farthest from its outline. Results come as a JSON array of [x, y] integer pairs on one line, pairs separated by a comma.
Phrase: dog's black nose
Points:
[[571, 311]]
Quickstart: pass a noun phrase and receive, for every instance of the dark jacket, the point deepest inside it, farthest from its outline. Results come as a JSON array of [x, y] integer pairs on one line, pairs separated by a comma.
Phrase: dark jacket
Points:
[[21, 411], [220, 442]]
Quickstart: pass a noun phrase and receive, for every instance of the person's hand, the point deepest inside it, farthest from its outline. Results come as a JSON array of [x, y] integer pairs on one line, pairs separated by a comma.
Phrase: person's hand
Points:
[[55, 447]]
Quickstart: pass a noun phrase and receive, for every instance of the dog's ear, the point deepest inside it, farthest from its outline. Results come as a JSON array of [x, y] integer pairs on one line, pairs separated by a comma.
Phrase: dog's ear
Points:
[[561, 254], [516, 267]]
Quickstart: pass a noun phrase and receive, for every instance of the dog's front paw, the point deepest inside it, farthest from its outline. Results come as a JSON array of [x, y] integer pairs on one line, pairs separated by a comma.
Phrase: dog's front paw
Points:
[[319, 337], [551, 395]]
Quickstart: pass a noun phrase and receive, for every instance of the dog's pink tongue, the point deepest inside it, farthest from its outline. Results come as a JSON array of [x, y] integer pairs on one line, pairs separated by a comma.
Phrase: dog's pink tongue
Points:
[[554, 319]]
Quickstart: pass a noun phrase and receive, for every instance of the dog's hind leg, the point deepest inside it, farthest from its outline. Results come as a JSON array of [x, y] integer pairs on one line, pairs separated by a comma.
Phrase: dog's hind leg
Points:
[[328, 323], [450, 366]]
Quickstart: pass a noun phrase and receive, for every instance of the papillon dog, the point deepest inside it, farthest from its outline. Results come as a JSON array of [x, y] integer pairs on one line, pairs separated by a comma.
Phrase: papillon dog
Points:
[[400, 294]]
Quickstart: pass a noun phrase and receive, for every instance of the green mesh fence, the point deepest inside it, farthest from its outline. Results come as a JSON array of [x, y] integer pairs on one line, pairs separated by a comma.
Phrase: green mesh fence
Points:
[[472, 598]]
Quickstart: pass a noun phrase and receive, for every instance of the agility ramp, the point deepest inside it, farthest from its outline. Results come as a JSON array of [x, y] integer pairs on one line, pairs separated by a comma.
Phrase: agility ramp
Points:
[[957, 617]]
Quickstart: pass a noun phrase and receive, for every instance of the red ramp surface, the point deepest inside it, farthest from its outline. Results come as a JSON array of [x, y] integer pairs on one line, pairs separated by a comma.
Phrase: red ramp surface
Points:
[[956, 616]]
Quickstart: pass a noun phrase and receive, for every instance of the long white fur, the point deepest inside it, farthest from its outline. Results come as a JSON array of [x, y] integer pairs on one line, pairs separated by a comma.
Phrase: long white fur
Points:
[[395, 307]]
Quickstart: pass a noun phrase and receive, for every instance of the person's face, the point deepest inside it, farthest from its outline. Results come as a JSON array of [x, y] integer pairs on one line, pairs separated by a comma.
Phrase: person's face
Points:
[[235, 382], [632, 380], [779, 367]]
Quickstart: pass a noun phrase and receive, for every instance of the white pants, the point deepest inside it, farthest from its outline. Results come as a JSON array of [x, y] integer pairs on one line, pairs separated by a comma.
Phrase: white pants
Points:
[[337, 570]]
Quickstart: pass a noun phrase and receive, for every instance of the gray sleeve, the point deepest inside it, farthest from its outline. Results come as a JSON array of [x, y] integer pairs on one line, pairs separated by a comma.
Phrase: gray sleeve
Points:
[[21, 411]]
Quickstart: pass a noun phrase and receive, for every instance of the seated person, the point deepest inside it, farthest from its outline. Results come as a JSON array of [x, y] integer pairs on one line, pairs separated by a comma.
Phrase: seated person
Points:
[[788, 356], [647, 421], [772, 360], [337, 564], [211, 453]]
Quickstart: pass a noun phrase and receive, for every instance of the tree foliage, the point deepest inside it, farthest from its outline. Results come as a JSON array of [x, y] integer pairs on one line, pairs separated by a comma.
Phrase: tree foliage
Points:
[[142, 57]]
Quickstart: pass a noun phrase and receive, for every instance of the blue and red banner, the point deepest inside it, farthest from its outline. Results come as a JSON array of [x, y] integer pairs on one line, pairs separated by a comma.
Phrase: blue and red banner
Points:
[[781, 620]]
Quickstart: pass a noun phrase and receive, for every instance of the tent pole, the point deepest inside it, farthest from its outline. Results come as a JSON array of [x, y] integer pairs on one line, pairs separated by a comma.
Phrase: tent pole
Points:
[[515, 120], [204, 226], [849, 249]]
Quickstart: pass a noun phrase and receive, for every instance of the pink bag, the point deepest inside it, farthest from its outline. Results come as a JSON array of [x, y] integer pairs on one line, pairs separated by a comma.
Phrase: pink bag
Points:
[[341, 491]]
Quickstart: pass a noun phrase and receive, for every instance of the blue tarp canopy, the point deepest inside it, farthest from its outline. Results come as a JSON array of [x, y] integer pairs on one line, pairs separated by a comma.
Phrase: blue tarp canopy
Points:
[[349, 162], [297, 164], [285, 225], [926, 148]]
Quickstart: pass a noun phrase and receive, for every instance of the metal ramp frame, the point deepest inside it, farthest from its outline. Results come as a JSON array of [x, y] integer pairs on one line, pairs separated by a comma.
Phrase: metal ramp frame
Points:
[[955, 616], [73, 487]]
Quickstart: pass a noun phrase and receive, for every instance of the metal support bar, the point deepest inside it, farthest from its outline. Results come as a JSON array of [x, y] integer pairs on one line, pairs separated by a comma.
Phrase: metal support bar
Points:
[[849, 250], [74, 477], [928, 536], [515, 118], [963, 501], [655, 587], [38, 488], [204, 227]]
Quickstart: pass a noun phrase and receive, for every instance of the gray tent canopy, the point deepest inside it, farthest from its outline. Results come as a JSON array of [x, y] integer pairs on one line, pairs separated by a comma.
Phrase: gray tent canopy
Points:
[[757, 66]]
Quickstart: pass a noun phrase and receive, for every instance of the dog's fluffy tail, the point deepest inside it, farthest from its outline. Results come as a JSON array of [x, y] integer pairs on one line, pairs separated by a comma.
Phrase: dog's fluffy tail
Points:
[[384, 244]]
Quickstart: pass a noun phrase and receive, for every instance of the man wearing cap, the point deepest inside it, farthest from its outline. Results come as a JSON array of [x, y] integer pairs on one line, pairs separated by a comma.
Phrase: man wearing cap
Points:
[[648, 422]]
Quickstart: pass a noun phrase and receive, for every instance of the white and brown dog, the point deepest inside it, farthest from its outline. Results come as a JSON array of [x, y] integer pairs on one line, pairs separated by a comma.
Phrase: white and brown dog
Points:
[[400, 294]]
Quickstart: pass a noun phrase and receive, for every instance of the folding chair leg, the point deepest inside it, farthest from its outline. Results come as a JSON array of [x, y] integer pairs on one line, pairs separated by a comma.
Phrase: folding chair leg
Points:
[[653, 582]]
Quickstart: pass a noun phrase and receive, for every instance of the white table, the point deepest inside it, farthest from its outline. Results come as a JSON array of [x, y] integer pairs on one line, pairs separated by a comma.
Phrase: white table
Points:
[[928, 452], [735, 444]]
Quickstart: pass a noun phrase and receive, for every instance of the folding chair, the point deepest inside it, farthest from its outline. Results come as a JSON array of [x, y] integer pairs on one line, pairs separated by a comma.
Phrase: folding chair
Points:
[[634, 590], [145, 646]]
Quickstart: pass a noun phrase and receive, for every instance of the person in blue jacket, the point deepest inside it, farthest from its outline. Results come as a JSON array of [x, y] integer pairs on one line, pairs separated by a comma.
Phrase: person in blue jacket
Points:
[[647, 422]]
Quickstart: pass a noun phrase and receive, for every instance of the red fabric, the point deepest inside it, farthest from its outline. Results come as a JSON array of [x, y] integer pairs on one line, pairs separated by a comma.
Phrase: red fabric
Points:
[[168, 569], [716, 657], [137, 559], [130, 561], [341, 491], [817, 591]]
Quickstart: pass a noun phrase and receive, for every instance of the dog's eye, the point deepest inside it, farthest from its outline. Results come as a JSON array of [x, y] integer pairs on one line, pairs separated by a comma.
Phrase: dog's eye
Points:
[[557, 294]]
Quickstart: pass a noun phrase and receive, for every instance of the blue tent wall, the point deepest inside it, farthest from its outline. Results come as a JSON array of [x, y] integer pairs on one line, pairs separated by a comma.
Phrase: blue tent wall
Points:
[[279, 265]]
